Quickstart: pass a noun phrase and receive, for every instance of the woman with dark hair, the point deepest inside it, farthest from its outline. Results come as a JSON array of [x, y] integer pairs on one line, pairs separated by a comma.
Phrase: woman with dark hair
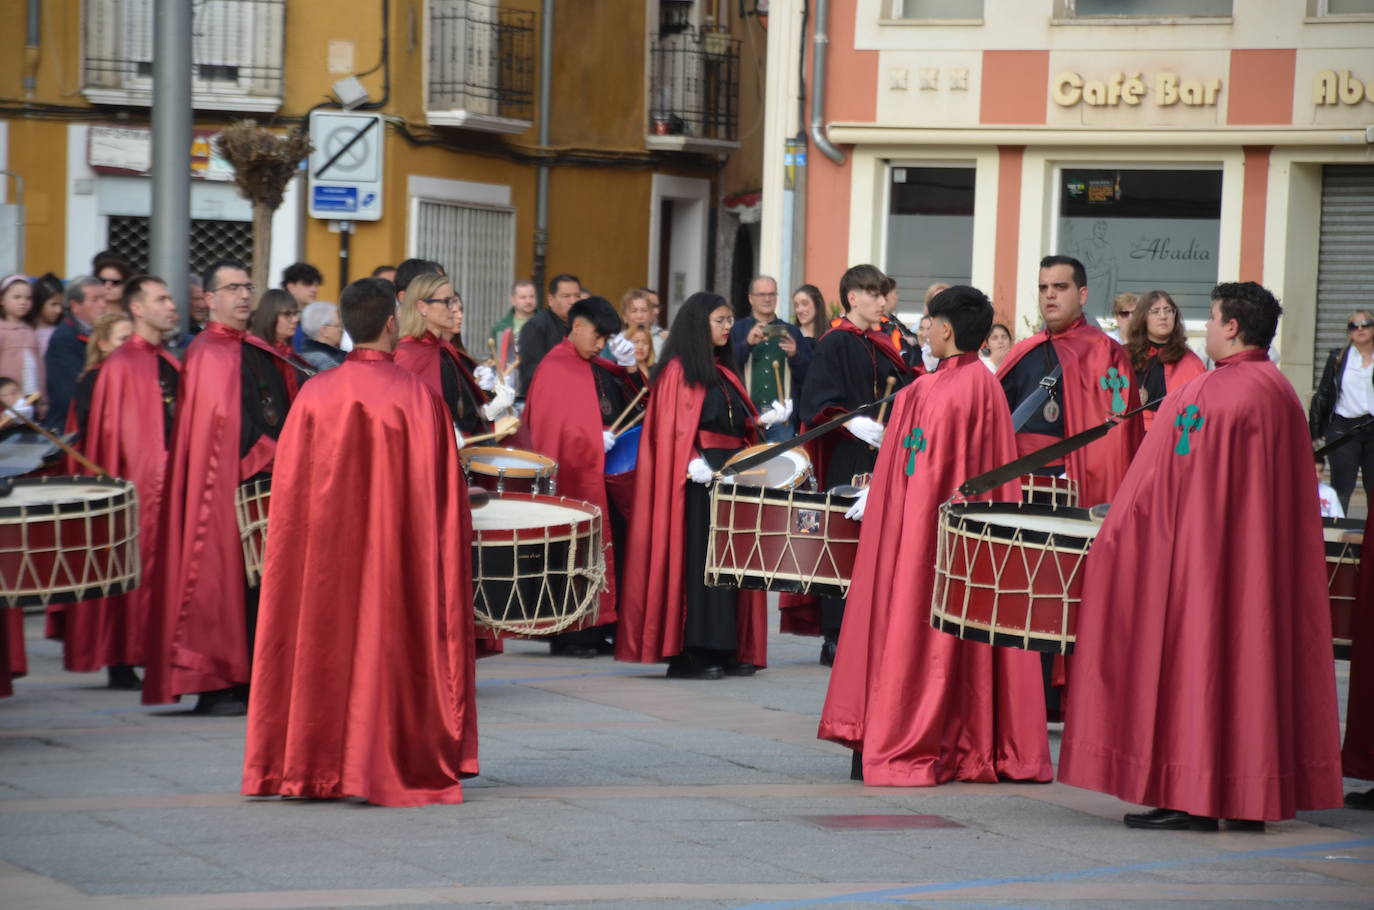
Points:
[[699, 414], [809, 312], [996, 347], [275, 321], [1344, 397], [46, 313], [1159, 350]]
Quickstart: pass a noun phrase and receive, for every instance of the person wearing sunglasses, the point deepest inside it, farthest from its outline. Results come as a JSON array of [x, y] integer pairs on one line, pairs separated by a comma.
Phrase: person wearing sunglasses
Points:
[[113, 272], [1343, 398]]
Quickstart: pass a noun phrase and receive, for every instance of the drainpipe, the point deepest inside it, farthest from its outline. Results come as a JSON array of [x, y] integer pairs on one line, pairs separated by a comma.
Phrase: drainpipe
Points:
[[820, 43], [541, 187], [31, 49]]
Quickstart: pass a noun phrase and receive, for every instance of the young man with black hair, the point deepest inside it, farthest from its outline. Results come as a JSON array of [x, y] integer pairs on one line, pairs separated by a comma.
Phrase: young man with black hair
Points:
[[409, 270], [1202, 677], [918, 706], [302, 281], [547, 328], [575, 396], [851, 367], [363, 684]]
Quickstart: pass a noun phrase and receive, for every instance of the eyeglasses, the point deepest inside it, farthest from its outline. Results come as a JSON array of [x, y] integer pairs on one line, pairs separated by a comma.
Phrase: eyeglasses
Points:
[[770, 296], [446, 301], [1160, 311], [1352, 326], [723, 320], [1124, 314], [112, 282], [236, 288], [290, 314]]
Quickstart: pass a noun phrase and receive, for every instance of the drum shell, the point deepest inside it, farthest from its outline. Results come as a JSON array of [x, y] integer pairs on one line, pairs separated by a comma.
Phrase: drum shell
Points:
[[624, 456], [536, 478], [524, 579], [781, 540], [251, 505], [65, 552], [1001, 587], [1045, 490]]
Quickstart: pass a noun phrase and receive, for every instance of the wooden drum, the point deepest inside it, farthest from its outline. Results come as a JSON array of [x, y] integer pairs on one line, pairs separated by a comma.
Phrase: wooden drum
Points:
[[65, 539], [250, 507], [504, 470], [1038, 489], [1344, 538]]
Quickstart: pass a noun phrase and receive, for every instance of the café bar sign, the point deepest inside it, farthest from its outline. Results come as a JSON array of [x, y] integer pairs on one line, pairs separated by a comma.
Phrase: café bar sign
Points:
[[1165, 89], [1341, 87]]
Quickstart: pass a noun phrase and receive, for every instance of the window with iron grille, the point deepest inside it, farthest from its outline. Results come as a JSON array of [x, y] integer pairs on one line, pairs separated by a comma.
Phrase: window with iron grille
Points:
[[131, 235], [476, 244], [694, 85], [481, 63], [236, 52]]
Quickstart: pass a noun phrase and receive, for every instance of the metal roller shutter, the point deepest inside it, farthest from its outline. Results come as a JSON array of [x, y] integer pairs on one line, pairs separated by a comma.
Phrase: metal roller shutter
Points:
[[476, 244], [1345, 261]]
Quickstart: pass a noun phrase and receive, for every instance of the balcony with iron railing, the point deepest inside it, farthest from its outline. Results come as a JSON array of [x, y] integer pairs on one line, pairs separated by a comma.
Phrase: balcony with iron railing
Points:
[[236, 53], [693, 91], [481, 66]]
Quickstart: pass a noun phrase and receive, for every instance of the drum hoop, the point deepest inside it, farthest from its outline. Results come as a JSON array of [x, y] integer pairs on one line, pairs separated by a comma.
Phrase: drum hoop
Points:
[[782, 495], [545, 468], [965, 520], [570, 530], [120, 491], [1342, 552]]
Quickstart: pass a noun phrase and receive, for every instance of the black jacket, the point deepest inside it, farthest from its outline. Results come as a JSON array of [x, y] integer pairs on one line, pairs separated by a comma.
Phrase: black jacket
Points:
[[64, 361], [541, 334], [1328, 392]]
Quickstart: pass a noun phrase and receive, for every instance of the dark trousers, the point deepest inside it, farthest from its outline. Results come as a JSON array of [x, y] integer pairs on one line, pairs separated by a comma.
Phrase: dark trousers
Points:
[[1355, 457]]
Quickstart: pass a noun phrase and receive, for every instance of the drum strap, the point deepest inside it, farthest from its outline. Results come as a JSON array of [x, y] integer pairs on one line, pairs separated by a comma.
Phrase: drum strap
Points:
[[709, 440]]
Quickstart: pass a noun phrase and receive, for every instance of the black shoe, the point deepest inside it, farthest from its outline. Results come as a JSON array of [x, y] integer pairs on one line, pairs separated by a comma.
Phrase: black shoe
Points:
[[1244, 824], [564, 649], [828, 652], [1169, 820], [122, 676], [221, 703], [740, 668], [686, 668], [856, 766], [1357, 800], [605, 646]]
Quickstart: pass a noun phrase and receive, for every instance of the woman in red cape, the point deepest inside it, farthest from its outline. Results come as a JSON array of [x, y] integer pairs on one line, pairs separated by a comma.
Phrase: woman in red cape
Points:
[[363, 679], [699, 415], [923, 707], [1202, 678], [1159, 351]]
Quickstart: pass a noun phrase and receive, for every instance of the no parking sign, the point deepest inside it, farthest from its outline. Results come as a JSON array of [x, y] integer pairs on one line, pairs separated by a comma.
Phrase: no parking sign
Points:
[[346, 166]]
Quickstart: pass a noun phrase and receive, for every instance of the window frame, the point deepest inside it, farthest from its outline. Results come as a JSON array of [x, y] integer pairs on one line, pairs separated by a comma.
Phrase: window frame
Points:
[[1065, 14]]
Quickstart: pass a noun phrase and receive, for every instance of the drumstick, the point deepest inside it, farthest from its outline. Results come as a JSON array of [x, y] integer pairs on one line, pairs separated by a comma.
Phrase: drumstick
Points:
[[882, 412], [80, 459], [31, 398], [491, 346], [633, 423], [777, 377], [504, 427], [615, 424], [510, 368]]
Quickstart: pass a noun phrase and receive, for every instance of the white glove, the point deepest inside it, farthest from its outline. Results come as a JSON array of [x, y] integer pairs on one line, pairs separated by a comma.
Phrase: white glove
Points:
[[486, 378], [608, 439], [23, 407], [856, 511], [622, 349], [866, 429], [778, 412], [698, 471], [501, 400], [458, 437]]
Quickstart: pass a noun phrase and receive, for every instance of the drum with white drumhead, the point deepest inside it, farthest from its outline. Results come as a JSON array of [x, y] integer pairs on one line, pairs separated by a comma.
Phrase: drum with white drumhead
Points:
[[505, 470]]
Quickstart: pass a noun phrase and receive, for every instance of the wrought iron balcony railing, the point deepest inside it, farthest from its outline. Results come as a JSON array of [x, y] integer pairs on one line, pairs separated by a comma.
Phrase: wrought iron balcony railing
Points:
[[694, 90], [236, 53], [481, 66]]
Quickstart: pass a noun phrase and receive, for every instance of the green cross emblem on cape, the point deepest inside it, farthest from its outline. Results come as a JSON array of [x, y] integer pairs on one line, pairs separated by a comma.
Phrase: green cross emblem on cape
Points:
[[1117, 384], [915, 444], [1188, 421]]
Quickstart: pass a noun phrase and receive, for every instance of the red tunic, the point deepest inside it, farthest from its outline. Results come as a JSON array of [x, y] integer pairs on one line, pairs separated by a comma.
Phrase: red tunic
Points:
[[923, 706], [421, 356], [197, 635], [653, 602], [1202, 678], [1357, 756], [363, 673], [125, 436], [564, 422], [1086, 354]]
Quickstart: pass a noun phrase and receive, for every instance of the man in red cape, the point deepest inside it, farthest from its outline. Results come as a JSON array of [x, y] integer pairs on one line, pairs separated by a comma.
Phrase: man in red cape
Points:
[[1357, 755], [653, 600], [232, 405], [127, 433], [574, 397], [363, 680], [1203, 679], [854, 363], [918, 706]]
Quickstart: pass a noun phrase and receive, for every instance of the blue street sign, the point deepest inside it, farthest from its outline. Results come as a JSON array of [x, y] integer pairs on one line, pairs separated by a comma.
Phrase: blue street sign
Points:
[[334, 198]]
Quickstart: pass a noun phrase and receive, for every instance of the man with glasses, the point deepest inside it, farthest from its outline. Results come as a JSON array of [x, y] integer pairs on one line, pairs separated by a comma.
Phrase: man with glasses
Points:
[[232, 405], [65, 358], [768, 350]]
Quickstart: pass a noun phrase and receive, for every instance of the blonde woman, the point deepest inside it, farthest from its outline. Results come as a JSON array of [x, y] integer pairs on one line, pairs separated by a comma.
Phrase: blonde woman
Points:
[[109, 332]]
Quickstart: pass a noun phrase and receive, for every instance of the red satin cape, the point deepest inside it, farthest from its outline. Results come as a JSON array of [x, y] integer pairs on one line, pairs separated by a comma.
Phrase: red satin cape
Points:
[[563, 418], [1086, 353], [125, 436], [421, 357], [1176, 376], [1357, 755], [653, 601], [197, 632], [363, 681], [923, 706], [1202, 677]]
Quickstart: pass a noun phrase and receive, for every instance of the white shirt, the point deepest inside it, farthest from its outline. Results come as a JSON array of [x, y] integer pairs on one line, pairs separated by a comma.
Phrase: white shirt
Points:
[[1331, 504], [1357, 387]]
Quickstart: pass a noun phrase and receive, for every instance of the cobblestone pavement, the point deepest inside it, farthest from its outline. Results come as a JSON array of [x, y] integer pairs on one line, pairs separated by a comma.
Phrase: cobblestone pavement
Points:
[[604, 785]]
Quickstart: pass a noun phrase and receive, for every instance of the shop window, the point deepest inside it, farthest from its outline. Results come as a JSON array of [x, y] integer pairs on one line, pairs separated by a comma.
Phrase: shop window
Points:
[[1137, 230], [937, 9], [1144, 9], [929, 229], [477, 246], [1319, 8]]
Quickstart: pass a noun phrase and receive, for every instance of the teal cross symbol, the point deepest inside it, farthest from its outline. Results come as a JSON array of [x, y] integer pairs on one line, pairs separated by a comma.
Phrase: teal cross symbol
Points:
[[915, 444], [1188, 421], [1118, 384]]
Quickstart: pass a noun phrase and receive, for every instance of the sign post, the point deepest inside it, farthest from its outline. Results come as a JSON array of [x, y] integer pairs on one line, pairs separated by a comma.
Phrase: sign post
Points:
[[346, 173]]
